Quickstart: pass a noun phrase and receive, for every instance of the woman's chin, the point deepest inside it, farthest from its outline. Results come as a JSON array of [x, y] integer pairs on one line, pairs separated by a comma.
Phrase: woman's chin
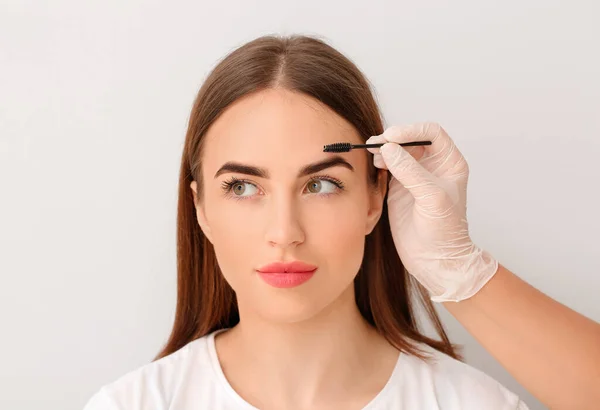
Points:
[[298, 304], [289, 313], [284, 310]]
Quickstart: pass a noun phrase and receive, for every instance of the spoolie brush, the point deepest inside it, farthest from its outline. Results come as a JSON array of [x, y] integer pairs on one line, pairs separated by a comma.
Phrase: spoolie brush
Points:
[[346, 146]]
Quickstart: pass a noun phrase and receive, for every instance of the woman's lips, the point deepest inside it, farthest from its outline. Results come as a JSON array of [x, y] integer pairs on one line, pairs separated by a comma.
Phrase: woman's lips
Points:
[[286, 275], [286, 280], [287, 267]]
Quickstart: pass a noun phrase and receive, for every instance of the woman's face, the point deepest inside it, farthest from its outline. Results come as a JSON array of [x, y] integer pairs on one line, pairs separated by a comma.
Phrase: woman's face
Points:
[[274, 209]]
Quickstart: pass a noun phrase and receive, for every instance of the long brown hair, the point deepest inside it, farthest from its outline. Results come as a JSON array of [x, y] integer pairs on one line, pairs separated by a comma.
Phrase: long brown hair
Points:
[[385, 292]]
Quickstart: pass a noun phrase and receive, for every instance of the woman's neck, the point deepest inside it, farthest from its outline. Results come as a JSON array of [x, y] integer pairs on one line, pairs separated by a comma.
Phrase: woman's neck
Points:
[[309, 363]]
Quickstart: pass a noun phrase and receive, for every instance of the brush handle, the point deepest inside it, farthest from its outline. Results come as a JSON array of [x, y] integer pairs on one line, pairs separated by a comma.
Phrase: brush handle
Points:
[[403, 144]]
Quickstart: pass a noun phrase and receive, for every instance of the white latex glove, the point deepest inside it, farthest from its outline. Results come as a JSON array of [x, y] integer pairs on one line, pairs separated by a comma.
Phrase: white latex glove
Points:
[[427, 206]]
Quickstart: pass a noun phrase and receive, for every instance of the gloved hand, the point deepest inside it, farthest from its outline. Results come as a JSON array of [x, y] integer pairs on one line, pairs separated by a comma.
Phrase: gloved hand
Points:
[[427, 212]]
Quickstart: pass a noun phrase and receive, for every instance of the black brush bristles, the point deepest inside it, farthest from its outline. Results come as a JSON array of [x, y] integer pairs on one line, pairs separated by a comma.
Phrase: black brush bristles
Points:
[[338, 147], [346, 146]]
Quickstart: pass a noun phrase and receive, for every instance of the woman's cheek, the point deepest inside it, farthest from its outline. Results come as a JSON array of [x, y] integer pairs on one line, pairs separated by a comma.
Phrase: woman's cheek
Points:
[[236, 226], [342, 222]]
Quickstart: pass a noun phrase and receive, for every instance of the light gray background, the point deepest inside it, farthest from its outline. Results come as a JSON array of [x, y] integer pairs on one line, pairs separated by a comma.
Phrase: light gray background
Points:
[[94, 100]]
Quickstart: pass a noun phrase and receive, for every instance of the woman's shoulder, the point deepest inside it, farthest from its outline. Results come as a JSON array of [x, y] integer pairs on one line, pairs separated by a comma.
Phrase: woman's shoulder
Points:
[[159, 379], [454, 383]]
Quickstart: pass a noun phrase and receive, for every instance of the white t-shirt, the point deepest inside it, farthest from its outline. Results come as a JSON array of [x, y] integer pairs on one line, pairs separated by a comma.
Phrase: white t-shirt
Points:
[[192, 379]]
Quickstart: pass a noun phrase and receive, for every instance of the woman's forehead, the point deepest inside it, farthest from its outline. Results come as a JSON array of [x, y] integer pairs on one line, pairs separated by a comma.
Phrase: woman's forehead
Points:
[[275, 125]]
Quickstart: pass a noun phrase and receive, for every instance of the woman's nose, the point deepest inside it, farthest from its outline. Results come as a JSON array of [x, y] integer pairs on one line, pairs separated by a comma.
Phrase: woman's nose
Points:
[[284, 227]]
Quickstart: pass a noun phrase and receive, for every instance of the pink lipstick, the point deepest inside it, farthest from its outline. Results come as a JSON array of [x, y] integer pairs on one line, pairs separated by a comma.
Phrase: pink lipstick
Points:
[[286, 275]]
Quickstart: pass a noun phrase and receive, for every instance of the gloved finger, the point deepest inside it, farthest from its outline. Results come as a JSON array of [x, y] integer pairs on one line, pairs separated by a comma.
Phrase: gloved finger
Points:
[[376, 139], [416, 152], [398, 196], [378, 161], [407, 170], [442, 155]]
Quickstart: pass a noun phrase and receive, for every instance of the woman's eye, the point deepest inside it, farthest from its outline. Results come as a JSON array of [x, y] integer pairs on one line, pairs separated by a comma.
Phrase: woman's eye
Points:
[[316, 186], [241, 189]]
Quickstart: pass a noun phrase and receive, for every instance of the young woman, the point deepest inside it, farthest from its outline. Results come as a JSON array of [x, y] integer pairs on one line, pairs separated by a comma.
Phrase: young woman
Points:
[[300, 271]]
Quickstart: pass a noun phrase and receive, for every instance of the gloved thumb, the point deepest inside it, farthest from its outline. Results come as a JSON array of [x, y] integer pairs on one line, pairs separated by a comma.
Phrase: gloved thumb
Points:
[[407, 170]]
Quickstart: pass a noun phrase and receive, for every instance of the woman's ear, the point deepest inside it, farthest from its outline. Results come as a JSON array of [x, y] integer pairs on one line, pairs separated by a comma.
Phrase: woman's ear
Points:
[[200, 214], [376, 198]]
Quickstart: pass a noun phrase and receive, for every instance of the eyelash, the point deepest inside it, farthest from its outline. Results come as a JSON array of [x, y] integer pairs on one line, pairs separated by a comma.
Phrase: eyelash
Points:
[[228, 185]]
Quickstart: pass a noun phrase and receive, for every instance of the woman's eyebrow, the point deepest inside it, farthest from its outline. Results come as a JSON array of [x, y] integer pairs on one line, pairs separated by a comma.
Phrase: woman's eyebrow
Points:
[[240, 168]]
